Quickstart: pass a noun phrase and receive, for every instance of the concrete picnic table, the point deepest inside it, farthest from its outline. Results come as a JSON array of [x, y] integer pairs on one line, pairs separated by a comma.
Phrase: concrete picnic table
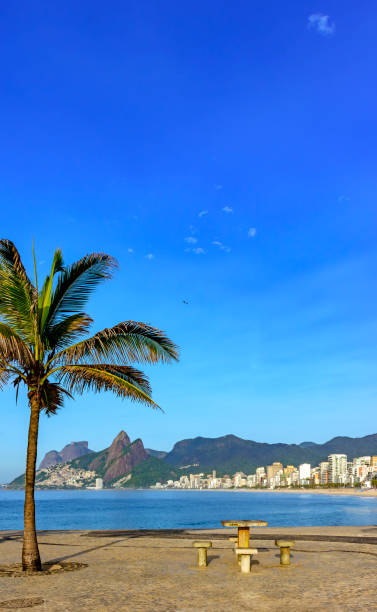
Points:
[[244, 530]]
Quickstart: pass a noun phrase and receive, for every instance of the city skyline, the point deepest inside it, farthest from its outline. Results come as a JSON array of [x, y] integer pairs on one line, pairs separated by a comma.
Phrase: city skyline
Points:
[[336, 471]]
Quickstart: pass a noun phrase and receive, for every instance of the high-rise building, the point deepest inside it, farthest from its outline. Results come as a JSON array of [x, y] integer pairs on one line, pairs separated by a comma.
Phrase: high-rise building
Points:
[[274, 469], [337, 468], [289, 470], [99, 483], [324, 472], [304, 473], [373, 461]]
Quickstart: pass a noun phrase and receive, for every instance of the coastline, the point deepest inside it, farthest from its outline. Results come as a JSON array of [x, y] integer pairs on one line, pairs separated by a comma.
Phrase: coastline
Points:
[[330, 491]]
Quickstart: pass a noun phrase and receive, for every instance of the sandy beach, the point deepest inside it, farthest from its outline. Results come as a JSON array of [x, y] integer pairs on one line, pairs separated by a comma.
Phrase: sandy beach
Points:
[[156, 572], [345, 491]]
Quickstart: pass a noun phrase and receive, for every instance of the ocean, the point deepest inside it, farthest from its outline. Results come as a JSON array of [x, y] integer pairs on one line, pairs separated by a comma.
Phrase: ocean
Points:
[[169, 509]]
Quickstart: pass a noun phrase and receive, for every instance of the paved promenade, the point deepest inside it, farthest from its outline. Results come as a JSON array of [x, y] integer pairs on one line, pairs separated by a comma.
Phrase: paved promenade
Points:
[[155, 572]]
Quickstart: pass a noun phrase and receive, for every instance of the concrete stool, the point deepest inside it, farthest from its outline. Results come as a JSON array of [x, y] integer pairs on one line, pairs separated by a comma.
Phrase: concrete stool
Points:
[[285, 548], [202, 551], [234, 541], [245, 554]]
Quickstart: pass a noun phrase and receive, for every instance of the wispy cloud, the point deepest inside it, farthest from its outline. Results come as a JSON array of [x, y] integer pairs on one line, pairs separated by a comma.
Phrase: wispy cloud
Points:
[[198, 251], [343, 198], [130, 250], [202, 213], [191, 240], [218, 187], [321, 24], [227, 209], [221, 246], [252, 232], [149, 256]]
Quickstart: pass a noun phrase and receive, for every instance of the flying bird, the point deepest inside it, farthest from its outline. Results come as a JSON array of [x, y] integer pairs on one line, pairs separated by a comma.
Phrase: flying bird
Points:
[[184, 301]]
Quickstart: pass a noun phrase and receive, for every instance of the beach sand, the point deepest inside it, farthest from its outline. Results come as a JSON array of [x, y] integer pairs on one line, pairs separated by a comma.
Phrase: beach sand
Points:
[[330, 491], [156, 572]]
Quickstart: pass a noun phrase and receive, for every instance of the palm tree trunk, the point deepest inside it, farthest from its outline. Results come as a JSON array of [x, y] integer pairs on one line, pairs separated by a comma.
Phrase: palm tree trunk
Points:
[[30, 552]]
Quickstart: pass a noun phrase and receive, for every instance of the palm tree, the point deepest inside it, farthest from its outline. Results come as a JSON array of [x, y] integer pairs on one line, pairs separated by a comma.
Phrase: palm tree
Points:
[[40, 347]]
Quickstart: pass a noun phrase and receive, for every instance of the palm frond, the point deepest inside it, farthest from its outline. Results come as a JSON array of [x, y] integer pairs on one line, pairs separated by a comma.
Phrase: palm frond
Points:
[[56, 337], [125, 382], [10, 258], [76, 283], [17, 293], [13, 348], [4, 377], [44, 300], [52, 397], [126, 342]]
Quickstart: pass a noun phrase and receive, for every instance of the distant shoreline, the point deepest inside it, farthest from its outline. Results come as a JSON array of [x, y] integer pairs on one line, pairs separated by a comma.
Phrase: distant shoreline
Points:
[[330, 491]]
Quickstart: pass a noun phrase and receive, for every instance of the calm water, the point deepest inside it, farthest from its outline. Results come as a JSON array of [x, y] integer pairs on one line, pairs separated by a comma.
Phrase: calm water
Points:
[[180, 509]]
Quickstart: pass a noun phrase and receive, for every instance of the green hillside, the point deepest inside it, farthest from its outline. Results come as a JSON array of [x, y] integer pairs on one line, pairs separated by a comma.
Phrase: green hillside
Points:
[[151, 471]]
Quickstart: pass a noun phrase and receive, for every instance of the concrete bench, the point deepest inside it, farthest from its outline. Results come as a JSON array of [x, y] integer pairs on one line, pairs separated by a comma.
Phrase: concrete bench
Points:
[[244, 556], [285, 551], [201, 547]]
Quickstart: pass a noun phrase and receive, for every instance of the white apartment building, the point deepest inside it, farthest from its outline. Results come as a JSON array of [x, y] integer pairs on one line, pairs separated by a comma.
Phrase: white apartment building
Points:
[[304, 473], [260, 473], [337, 468]]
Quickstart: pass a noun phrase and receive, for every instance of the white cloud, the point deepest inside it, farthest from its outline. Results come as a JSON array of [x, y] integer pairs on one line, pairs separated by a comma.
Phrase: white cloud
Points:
[[221, 246], [321, 24], [218, 187], [191, 240], [227, 209], [149, 256], [202, 213], [252, 232], [198, 251], [130, 250]]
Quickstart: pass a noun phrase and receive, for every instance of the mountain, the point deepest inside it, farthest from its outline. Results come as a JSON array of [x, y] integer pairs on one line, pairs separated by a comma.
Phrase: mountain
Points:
[[229, 454], [115, 465], [129, 464], [69, 452], [116, 461], [156, 453]]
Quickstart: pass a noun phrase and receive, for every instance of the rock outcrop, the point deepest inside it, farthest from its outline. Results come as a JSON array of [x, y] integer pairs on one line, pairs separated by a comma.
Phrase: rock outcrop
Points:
[[69, 452], [119, 459], [126, 462]]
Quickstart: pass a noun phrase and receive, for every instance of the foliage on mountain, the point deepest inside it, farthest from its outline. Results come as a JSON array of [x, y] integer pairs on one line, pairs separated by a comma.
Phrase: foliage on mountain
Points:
[[229, 454]]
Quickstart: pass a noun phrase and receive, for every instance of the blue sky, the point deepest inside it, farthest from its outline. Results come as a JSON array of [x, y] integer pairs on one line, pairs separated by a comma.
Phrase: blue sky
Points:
[[225, 154]]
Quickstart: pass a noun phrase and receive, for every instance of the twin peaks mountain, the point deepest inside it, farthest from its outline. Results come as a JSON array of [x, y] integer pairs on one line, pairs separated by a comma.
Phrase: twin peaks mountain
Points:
[[129, 464], [116, 461]]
